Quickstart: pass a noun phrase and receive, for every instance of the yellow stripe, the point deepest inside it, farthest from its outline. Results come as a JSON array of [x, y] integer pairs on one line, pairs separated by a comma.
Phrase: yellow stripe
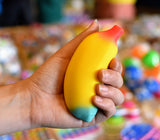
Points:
[[122, 1]]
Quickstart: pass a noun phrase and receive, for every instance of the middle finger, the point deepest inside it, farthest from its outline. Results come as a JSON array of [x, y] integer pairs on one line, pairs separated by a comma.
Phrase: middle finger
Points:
[[110, 77]]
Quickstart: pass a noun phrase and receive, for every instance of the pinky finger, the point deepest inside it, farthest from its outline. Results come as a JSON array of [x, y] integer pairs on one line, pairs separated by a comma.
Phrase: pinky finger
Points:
[[106, 105]]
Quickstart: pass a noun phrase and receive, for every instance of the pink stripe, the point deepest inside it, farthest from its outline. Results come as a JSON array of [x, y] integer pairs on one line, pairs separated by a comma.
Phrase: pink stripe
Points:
[[157, 135], [149, 134], [125, 138]]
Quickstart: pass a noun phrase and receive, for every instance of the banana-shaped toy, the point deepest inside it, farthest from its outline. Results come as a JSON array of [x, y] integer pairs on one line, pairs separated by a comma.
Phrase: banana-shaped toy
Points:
[[94, 53]]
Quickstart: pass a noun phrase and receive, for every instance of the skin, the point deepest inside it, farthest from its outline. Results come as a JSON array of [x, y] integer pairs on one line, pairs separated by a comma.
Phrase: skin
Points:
[[38, 101]]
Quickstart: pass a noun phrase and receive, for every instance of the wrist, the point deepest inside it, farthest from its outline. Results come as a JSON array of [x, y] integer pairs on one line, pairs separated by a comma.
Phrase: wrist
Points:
[[15, 108]]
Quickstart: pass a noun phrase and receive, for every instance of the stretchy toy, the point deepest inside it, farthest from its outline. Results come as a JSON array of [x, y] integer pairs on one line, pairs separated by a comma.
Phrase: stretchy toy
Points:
[[94, 53]]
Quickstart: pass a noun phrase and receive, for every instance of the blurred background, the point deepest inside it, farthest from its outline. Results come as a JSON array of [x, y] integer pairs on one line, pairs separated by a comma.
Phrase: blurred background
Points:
[[33, 30]]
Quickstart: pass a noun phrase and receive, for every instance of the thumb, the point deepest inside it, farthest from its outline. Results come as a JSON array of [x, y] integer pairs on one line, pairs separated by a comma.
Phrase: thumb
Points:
[[67, 50]]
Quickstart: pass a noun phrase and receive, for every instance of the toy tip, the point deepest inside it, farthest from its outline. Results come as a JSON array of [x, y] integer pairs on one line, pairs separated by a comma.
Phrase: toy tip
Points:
[[114, 33]]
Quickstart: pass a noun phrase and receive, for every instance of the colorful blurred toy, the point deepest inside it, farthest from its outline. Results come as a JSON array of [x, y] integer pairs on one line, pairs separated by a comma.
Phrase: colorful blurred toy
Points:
[[142, 131], [151, 59], [153, 72], [133, 73], [140, 50], [157, 94], [131, 61], [142, 93], [132, 110], [6, 137], [31, 134], [152, 85], [91, 132], [142, 72], [113, 126]]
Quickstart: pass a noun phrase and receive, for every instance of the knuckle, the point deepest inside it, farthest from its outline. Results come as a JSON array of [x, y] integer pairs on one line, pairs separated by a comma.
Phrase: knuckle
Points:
[[110, 104], [112, 111], [119, 80], [119, 97], [110, 108], [119, 66]]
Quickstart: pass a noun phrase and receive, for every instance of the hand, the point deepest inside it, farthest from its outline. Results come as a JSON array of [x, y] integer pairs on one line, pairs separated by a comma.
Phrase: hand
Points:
[[45, 87]]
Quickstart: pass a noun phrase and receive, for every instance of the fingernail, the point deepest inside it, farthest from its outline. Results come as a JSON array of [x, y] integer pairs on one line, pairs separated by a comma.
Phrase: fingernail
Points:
[[98, 99], [93, 23], [103, 88]]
